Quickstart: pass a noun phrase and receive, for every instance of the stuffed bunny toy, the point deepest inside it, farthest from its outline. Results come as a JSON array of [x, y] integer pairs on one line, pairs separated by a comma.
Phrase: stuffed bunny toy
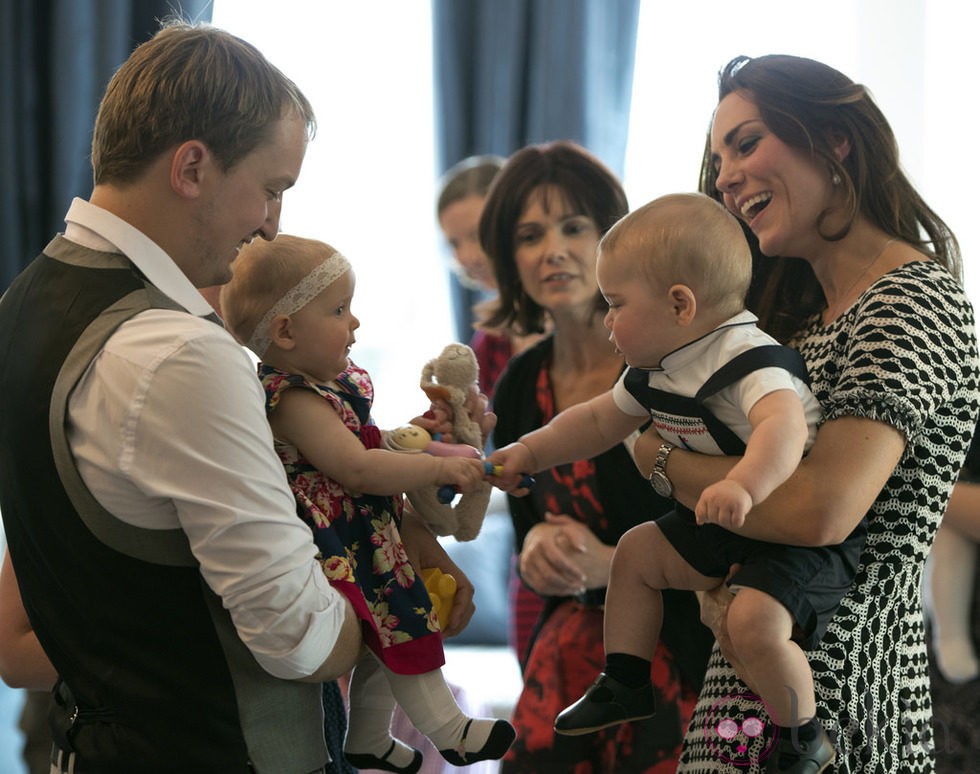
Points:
[[451, 377]]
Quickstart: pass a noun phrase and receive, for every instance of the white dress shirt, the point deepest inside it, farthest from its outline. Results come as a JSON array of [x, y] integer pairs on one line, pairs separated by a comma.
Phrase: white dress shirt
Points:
[[168, 429]]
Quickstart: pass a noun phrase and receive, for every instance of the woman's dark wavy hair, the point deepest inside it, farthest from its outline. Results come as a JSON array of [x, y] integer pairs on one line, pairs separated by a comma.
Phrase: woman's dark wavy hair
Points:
[[588, 185], [811, 106]]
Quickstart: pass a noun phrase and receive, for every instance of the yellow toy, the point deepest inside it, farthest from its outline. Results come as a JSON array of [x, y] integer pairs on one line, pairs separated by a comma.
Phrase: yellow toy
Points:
[[442, 590]]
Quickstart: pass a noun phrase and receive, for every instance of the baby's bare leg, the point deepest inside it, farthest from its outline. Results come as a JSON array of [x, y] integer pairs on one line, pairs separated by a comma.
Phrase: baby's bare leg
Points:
[[644, 564], [761, 630]]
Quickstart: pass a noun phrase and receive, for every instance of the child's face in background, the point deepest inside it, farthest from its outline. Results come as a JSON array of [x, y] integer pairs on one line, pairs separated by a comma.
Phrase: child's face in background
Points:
[[323, 331], [460, 223]]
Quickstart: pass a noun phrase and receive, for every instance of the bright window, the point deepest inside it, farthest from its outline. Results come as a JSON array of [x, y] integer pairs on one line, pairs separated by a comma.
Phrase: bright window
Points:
[[368, 181], [914, 56]]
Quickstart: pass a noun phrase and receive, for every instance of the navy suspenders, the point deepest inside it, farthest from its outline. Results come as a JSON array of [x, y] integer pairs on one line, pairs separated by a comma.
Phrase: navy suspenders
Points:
[[740, 366]]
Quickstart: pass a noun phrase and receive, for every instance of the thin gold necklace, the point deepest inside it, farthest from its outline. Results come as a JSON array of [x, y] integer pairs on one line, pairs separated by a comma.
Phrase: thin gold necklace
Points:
[[839, 306]]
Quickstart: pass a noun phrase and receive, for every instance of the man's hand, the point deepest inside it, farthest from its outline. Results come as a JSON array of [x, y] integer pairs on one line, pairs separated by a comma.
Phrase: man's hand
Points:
[[424, 550]]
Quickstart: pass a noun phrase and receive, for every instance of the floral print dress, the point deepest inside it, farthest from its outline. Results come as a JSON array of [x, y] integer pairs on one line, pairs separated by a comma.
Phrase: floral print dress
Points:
[[361, 551], [567, 651]]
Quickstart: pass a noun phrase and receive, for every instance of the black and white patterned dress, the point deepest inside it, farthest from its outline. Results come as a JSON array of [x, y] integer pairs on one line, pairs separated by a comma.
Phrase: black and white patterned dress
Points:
[[904, 354]]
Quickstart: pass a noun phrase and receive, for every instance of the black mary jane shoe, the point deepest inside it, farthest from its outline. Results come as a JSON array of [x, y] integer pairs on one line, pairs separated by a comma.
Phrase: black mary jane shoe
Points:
[[502, 736], [607, 703], [368, 761], [794, 756]]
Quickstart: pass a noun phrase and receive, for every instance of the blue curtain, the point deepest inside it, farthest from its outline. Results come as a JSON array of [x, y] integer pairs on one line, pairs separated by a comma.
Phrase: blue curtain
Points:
[[513, 72], [56, 57]]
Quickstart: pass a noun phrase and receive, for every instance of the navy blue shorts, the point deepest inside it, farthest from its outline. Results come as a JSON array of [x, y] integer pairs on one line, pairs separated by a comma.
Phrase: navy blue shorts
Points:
[[809, 582]]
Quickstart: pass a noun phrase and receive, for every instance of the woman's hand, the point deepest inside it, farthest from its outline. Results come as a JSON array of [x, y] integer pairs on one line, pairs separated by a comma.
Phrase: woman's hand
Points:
[[562, 557], [644, 448], [714, 612], [438, 420], [477, 408], [590, 555]]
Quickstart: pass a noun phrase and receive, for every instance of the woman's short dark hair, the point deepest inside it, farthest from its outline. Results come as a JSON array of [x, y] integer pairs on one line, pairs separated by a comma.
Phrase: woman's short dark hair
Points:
[[588, 185]]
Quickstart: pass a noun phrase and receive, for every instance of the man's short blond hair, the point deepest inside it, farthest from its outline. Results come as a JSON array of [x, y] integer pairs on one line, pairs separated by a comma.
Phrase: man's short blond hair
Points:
[[688, 239]]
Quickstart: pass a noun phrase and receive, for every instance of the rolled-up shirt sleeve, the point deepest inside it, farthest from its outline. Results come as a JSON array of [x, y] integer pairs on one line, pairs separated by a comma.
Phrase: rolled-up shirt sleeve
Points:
[[190, 446]]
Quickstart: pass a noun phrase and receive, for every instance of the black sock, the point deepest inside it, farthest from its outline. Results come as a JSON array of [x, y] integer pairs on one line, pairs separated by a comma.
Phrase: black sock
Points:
[[631, 671]]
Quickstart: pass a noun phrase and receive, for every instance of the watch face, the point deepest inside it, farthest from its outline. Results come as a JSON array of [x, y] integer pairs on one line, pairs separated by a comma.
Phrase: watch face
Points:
[[661, 484]]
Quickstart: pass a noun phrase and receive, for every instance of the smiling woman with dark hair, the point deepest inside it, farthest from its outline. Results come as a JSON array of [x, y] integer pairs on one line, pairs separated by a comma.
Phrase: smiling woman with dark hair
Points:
[[801, 154]]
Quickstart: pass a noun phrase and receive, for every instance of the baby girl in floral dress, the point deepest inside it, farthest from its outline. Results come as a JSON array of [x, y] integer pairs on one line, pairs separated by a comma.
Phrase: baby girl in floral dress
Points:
[[289, 302]]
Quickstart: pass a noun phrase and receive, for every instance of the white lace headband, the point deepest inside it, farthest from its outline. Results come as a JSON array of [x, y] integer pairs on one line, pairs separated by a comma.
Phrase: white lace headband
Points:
[[297, 297]]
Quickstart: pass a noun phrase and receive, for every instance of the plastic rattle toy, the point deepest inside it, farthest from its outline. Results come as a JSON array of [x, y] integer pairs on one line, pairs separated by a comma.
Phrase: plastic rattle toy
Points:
[[495, 470], [447, 492]]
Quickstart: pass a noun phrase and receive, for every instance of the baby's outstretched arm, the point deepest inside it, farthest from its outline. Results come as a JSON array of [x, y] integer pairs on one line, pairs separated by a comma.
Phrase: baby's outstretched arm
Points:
[[579, 432], [306, 421], [773, 451]]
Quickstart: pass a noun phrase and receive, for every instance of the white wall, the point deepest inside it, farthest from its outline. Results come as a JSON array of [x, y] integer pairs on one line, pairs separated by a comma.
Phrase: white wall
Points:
[[368, 181]]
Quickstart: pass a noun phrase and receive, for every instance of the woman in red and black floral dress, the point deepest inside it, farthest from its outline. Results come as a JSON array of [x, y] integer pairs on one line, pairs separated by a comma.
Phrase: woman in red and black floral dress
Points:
[[541, 225]]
